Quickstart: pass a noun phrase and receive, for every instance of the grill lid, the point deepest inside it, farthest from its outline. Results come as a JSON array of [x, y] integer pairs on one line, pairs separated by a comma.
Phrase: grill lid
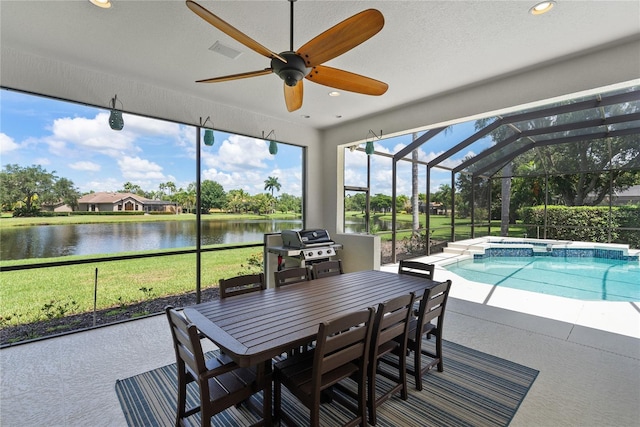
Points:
[[306, 238]]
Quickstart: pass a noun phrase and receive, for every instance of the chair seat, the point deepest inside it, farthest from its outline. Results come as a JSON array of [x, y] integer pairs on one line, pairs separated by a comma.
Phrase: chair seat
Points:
[[413, 327], [297, 372]]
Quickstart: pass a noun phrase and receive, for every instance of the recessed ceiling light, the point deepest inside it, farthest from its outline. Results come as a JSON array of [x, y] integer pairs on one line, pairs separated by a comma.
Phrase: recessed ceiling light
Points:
[[105, 4], [334, 93], [542, 7]]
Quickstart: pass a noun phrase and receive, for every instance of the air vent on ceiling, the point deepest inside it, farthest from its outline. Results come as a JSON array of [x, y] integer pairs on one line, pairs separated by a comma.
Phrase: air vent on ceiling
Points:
[[227, 51]]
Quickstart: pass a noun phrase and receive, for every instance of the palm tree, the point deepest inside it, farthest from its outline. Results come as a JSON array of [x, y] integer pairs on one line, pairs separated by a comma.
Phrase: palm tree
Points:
[[272, 183]]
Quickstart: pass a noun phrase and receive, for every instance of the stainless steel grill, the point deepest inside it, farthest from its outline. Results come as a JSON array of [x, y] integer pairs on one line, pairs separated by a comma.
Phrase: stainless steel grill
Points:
[[305, 246]]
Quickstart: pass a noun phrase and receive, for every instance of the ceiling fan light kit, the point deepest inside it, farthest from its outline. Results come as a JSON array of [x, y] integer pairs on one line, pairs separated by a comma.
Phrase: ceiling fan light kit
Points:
[[104, 4], [294, 66]]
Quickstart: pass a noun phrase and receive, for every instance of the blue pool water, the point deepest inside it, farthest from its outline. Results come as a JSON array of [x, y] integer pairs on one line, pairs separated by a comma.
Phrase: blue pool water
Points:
[[571, 277]]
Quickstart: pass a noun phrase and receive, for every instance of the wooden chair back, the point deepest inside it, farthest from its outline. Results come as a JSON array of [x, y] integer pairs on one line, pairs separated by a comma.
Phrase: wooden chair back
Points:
[[430, 321], [390, 328], [289, 276], [342, 349], [341, 341], [243, 284], [327, 268], [221, 383], [416, 268], [433, 305]]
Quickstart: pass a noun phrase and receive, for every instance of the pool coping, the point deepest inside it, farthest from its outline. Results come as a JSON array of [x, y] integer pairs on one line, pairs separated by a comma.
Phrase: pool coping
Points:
[[611, 316]]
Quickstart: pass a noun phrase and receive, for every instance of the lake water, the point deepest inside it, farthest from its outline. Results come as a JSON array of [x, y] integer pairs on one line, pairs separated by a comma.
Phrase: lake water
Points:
[[48, 241], [90, 239]]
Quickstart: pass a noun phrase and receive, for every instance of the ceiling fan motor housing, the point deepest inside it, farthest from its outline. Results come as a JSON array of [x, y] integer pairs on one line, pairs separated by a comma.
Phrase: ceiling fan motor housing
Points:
[[293, 70]]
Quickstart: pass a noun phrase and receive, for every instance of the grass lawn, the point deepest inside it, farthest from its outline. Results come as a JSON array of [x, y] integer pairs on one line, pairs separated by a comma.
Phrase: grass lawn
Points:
[[440, 225], [41, 294]]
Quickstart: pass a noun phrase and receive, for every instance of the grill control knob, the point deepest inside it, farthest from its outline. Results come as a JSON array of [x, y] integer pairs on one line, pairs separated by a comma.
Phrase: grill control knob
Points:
[[319, 253], [329, 251], [310, 254]]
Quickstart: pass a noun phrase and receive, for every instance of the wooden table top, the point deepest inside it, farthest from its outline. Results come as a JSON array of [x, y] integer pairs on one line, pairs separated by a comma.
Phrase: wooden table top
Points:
[[258, 326]]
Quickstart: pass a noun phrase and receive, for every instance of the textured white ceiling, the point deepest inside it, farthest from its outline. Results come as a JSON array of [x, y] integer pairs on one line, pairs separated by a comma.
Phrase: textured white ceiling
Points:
[[426, 48]]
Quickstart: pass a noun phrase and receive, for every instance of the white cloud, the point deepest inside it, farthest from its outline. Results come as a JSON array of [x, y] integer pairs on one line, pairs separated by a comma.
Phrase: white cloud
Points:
[[109, 184], [135, 169], [42, 161], [7, 144], [85, 166], [239, 153], [90, 136]]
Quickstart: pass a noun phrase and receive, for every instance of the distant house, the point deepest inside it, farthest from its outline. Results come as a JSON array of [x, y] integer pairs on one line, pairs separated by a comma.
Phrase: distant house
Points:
[[629, 196], [116, 202], [56, 207]]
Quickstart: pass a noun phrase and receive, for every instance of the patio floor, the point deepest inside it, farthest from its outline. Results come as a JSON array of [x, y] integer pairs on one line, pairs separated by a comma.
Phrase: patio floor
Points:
[[588, 375]]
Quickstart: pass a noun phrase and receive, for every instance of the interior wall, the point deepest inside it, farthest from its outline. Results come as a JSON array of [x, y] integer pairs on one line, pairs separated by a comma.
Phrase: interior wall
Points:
[[600, 68]]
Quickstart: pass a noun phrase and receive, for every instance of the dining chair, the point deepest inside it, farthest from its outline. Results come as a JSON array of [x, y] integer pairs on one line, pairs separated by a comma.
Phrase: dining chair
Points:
[[289, 276], [243, 284], [416, 268], [390, 332], [221, 382], [430, 322], [341, 352], [327, 268]]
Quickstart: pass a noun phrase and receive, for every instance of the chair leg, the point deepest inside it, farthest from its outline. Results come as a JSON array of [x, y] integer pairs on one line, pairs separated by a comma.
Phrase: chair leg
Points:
[[362, 398], [439, 352], [371, 392], [182, 396], [402, 371], [417, 367], [277, 401]]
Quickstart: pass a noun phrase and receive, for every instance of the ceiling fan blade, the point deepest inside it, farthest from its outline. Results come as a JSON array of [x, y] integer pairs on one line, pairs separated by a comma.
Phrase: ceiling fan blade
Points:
[[342, 37], [231, 31], [237, 76], [345, 80], [293, 96]]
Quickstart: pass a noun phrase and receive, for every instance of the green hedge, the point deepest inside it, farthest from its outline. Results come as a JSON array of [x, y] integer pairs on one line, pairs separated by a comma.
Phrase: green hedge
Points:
[[129, 213], [586, 223]]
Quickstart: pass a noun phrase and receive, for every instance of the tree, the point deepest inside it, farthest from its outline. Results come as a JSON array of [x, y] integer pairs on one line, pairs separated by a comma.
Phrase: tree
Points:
[[238, 201], [129, 187], [212, 195], [261, 203], [288, 203], [443, 196], [272, 183], [66, 192], [28, 188], [380, 203]]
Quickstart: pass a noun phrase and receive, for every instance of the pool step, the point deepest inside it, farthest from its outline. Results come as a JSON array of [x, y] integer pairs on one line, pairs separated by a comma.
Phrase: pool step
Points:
[[463, 248]]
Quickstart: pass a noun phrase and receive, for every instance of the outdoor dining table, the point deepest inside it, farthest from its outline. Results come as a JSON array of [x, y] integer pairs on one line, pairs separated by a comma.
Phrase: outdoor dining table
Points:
[[258, 326]]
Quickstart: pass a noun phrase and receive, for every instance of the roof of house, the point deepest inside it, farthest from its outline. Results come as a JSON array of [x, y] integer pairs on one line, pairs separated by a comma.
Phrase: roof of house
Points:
[[110, 197]]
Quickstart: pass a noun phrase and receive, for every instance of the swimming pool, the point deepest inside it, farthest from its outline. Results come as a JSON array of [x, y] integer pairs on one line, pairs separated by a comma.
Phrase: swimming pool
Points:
[[580, 277]]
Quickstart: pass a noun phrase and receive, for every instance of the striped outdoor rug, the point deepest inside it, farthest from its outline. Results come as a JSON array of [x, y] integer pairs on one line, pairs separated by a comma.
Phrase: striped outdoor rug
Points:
[[475, 389]]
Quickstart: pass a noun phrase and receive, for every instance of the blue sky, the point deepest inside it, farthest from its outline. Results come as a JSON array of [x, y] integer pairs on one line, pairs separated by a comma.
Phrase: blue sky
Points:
[[76, 142]]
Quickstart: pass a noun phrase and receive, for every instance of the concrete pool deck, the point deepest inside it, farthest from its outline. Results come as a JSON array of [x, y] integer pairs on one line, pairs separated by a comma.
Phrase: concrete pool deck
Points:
[[564, 318]]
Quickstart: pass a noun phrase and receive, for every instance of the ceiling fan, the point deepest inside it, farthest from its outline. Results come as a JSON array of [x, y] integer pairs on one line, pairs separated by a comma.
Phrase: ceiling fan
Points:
[[292, 66]]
